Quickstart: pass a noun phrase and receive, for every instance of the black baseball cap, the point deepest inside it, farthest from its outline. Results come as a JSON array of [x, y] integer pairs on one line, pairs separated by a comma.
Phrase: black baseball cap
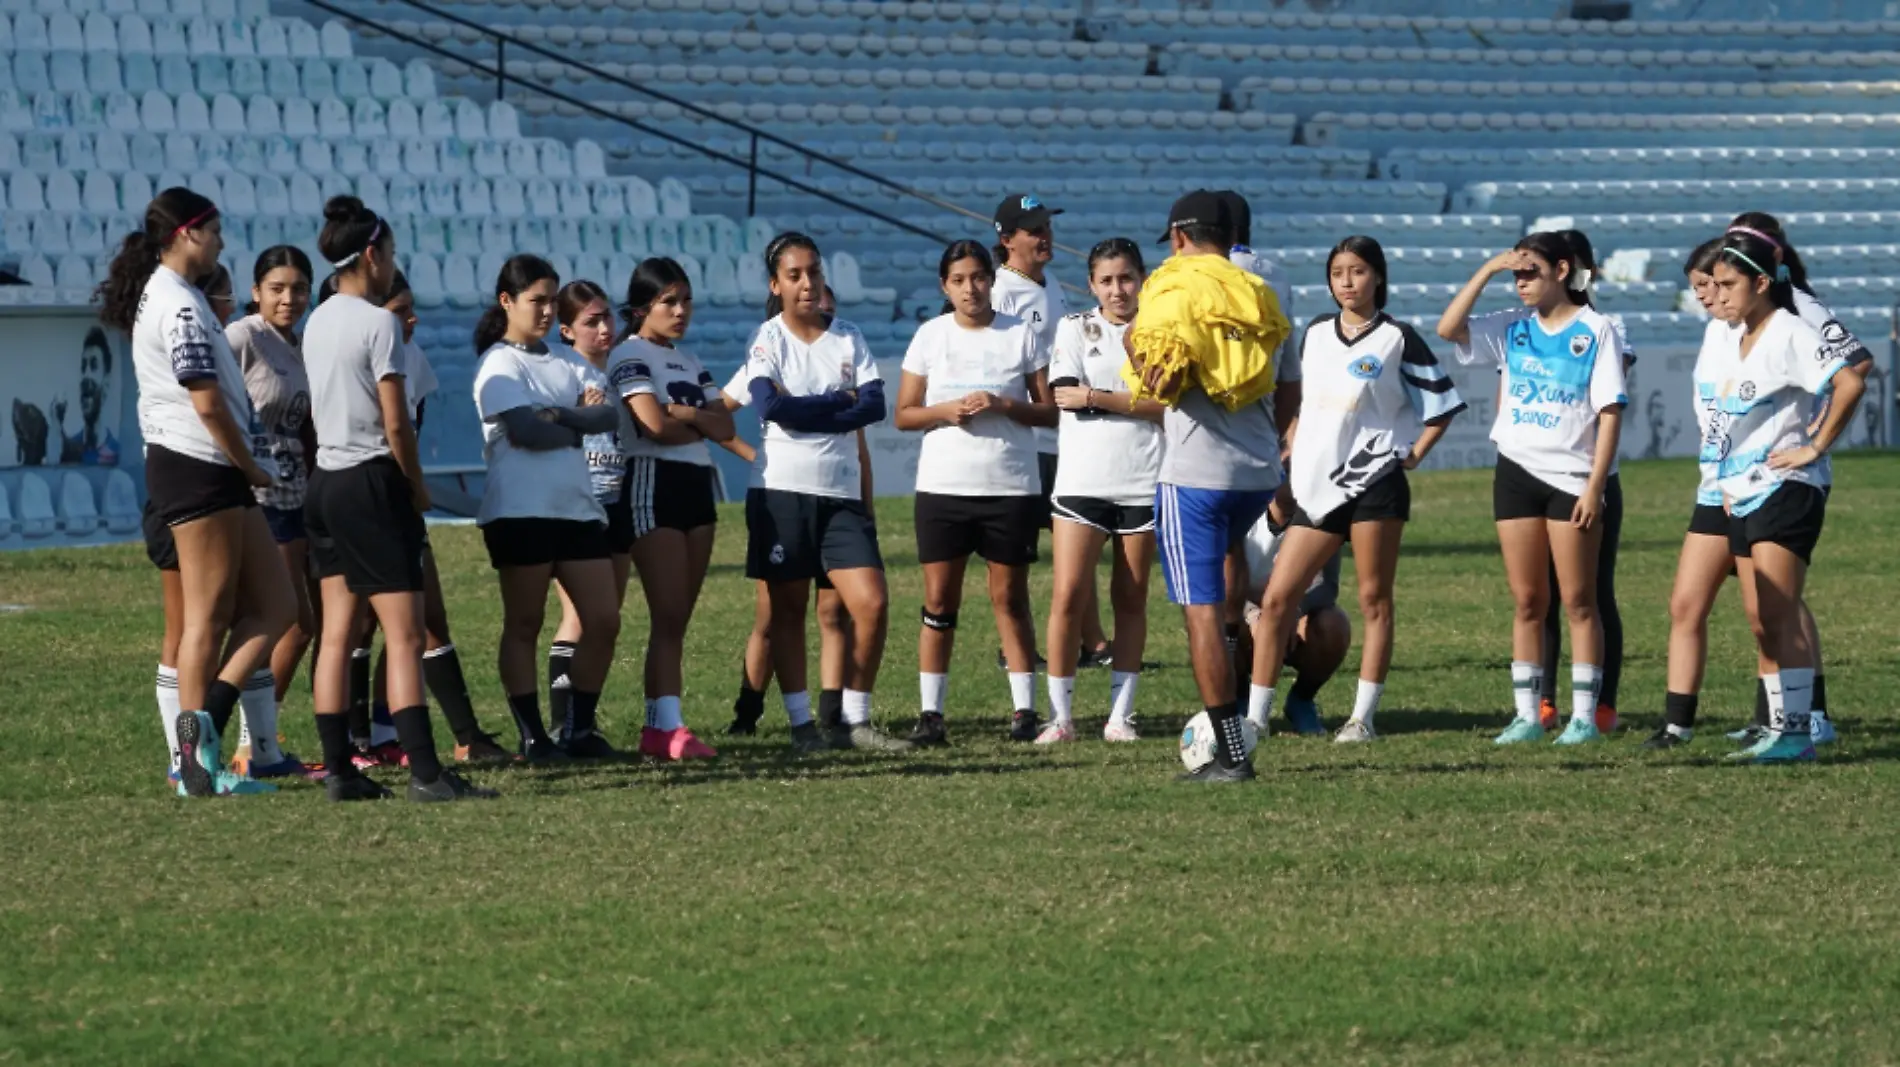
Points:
[[1242, 214], [1199, 208], [1020, 211]]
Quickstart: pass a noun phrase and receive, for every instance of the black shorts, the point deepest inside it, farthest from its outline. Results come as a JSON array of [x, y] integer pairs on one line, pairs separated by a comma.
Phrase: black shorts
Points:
[[1709, 520], [1518, 494], [1046, 463], [1105, 515], [1001, 529], [619, 523], [528, 542], [159, 546], [665, 494], [180, 488], [363, 526], [286, 524], [1791, 517], [794, 537], [1388, 498]]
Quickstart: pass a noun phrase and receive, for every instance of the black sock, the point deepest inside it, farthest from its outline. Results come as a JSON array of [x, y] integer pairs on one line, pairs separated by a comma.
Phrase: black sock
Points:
[[359, 695], [830, 708], [560, 658], [1679, 709], [221, 699], [526, 710], [1761, 703], [442, 670], [334, 732], [750, 704], [418, 743], [581, 710], [1820, 692], [1305, 688], [1230, 742]]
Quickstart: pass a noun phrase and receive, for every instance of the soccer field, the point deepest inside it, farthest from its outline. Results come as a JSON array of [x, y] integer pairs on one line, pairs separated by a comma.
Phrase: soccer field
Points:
[[1426, 899]]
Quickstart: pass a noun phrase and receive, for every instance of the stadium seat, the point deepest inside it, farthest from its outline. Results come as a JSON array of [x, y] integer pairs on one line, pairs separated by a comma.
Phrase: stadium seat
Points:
[[7, 523], [121, 512], [78, 513], [35, 516]]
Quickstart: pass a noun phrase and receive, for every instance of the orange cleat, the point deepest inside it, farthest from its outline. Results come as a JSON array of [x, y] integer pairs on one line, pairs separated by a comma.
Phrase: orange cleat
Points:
[[1606, 719], [1547, 715]]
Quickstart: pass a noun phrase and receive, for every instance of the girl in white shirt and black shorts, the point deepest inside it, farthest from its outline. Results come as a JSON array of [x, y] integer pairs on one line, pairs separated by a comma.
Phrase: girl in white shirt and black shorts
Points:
[[363, 507], [1105, 490], [200, 473], [669, 409], [539, 516], [976, 384]]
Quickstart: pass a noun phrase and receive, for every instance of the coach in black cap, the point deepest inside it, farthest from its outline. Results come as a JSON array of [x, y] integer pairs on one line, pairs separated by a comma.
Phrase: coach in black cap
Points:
[[1202, 211]]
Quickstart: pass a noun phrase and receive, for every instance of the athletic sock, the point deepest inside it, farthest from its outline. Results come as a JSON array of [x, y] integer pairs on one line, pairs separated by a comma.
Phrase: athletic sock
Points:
[[382, 727], [560, 658], [333, 733], [442, 671], [1797, 698], [1061, 700], [221, 699], [857, 707], [259, 705], [1586, 681], [1306, 688], [750, 703], [1259, 704], [663, 713], [166, 690], [1771, 685], [418, 743], [830, 708], [1761, 701], [797, 706], [931, 689], [1366, 703], [525, 708], [1679, 713], [359, 696], [1121, 695], [1819, 704], [583, 712], [1022, 690], [1230, 738], [1527, 680]]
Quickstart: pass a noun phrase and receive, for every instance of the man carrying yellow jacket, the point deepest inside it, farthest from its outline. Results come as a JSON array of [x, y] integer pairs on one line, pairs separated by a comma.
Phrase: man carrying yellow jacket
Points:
[[1203, 343]]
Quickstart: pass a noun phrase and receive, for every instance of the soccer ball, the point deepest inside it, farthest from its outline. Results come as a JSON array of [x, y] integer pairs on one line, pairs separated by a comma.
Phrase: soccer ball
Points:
[[1197, 740]]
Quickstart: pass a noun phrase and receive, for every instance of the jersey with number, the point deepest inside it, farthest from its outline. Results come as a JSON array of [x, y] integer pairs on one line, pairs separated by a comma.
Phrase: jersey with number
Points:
[[820, 464], [670, 375], [1364, 402], [1749, 407], [1555, 384], [1106, 455], [1042, 307]]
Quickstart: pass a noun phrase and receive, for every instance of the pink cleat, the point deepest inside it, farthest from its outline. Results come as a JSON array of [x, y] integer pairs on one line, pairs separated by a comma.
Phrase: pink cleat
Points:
[[1056, 732], [1120, 731], [673, 744]]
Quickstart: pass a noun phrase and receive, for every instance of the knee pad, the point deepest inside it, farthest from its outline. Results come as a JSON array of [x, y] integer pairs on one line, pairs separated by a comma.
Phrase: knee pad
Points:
[[942, 623]]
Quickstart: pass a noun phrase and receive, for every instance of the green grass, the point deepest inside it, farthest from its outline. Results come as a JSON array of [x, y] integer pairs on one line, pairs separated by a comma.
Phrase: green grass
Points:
[[1429, 899]]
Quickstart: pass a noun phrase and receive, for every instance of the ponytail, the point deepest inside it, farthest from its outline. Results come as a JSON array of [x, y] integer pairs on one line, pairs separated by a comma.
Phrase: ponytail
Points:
[[170, 212]]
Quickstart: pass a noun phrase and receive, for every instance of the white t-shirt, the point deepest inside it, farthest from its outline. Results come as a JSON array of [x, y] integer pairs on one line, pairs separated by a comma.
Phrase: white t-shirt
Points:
[[1363, 404], [992, 454], [1042, 307], [421, 380], [606, 463], [672, 376], [1750, 407], [521, 483], [349, 346], [821, 464], [176, 339], [1108, 456], [1554, 386]]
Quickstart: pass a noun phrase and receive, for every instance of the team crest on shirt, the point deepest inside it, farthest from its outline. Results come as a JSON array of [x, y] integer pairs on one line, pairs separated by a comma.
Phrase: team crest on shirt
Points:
[[1580, 344], [1747, 391], [1365, 368], [1091, 329]]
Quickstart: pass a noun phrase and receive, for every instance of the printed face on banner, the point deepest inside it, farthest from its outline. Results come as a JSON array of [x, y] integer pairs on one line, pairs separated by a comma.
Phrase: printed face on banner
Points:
[[60, 390]]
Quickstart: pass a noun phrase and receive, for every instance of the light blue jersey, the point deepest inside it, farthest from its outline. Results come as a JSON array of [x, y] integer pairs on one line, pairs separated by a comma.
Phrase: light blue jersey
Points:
[[1555, 384]]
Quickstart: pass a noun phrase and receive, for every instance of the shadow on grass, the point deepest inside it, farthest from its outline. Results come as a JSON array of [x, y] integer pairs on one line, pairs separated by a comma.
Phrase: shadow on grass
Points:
[[631, 772]]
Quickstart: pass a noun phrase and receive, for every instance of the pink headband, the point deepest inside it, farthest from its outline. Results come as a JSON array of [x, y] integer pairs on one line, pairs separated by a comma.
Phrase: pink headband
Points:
[[199, 220], [1758, 233]]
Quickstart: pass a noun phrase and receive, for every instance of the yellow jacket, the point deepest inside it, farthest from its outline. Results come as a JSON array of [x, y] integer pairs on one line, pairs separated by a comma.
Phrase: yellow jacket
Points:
[[1221, 323]]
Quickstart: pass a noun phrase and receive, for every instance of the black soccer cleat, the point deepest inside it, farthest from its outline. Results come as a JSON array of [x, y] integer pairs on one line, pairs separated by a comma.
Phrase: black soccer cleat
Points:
[[1095, 658], [542, 750], [1214, 772], [451, 786], [1002, 661], [929, 731], [589, 745], [1662, 741], [1023, 725], [354, 787], [745, 721]]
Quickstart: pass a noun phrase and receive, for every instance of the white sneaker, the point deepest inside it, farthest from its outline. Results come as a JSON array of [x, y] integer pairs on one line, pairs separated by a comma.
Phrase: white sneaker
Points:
[[1120, 731], [1056, 732], [1821, 728], [1258, 724], [1354, 732]]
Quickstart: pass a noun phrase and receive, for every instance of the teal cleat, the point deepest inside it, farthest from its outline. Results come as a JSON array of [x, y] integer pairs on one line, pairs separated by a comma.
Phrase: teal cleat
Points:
[[1521, 731], [1579, 732], [1761, 744], [198, 764], [230, 784], [1787, 748]]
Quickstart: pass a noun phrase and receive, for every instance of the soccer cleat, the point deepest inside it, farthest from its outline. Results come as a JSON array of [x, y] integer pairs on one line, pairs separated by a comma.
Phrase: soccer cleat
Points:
[[1763, 743], [1123, 732], [1355, 732], [355, 787], [590, 745], [1303, 715], [867, 738], [807, 738], [1786, 748], [1022, 725], [542, 750], [1056, 732], [1662, 741], [451, 786], [929, 731], [1092, 658], [1748, 736], [675, 744], [389, 754], [1606, 719], [1521, 731], [486, 748], [1002, 661], [745, 721], [1547, 714], [1579, 732], [1214, 772], [1821, 729], [227, 784], [289, 766], [198, 765]]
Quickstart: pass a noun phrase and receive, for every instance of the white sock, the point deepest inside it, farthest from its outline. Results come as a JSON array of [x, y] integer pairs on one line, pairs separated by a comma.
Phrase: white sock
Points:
[[663, 713], [857, 707], [931, 689], [1259, 704], [1366, 704], [168, 710], [1586, 681], [1797, 696], [1527, 680], [1062, 699], [798, 707], [1022, 690], [1684, 732], [1121, 695], [258, 703]]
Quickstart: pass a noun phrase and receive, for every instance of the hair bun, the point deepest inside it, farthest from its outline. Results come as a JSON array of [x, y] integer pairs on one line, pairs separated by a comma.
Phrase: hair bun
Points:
[[343, 209]]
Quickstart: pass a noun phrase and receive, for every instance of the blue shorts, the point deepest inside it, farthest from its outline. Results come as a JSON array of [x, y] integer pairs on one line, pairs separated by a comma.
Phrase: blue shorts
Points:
[[286, 524], [1194, 528]]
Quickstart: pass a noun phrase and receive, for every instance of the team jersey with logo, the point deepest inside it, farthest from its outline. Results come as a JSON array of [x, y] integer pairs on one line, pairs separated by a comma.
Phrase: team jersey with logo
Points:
[[992, 454], [1363, 405], [1042, 307], [1555, 383], [606, 465], [670, 375], [1748, 407], [176, 340], [1839, 341], [821, 464], [280, 397], [1105, 455]]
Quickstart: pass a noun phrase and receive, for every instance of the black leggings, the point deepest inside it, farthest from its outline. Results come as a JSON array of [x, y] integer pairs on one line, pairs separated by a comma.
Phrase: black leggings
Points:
[[1606, 605]]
